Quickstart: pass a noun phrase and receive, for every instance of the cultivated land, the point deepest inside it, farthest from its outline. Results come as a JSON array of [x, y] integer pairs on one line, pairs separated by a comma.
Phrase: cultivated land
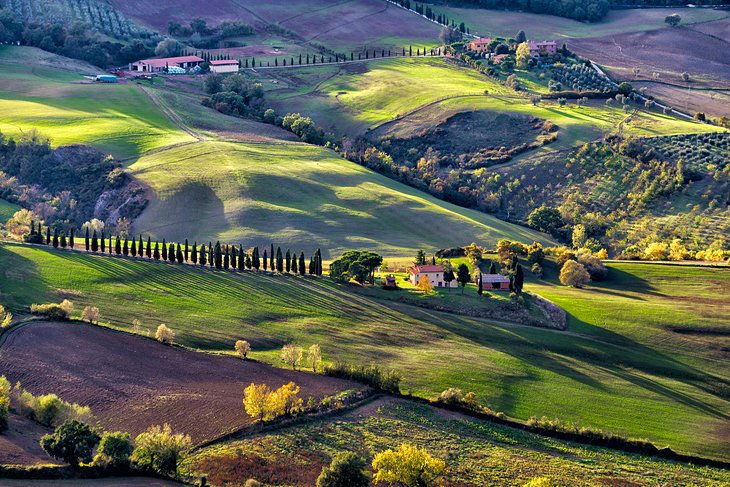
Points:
[[478, 452], [644, 355], [132, 383], [342, 26], [116, 118], [416, 93]]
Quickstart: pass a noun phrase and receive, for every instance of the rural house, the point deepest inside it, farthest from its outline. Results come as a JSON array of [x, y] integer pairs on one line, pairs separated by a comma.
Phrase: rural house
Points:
[[495, 281], [159, 65], [435, 274], [224, 66], [544, 48], [479, 45]]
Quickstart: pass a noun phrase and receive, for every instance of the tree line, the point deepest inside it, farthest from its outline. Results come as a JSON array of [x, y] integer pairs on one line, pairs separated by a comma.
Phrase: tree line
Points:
[[218, 256]]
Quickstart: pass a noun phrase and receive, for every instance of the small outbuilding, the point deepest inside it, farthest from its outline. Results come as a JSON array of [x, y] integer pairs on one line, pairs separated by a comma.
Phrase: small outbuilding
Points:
[[107, 78], [224, 66], [390, 282], [496, 282]]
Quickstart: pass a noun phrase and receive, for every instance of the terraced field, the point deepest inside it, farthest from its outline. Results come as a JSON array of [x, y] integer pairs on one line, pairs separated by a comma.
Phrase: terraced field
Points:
[[637, 359]]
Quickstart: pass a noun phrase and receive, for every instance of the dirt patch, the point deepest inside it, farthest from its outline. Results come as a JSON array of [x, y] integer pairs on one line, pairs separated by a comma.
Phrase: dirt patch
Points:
[[131, 383], [19, 445]]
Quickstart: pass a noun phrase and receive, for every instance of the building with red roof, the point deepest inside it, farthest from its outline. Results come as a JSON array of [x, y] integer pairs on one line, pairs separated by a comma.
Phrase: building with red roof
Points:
[[224, 66], [158, 65], [479, 45], [435, 274]]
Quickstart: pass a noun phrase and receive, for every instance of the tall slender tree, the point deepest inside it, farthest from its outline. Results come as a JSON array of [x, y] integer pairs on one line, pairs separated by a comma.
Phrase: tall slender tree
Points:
[[203, 255], [187, 252], [194, 254], [318, 261], [226, 258], [255, 259], [249, 264], [519, 280], [266, 261], [218, 255], [149, 247], [211, 262], [102, 241], [86, 239], [71, 238], [271, 257], [125, 248], [179, 254], [241, 258], [171, 252], [133, 248], [311, 265], [302, 269], [63, 240], [48, 235], [164, 249], [294, 263], [118, 246], [279, 260], [140, 246], [234, 254], [288, 260], [157, 251], [94, 242]]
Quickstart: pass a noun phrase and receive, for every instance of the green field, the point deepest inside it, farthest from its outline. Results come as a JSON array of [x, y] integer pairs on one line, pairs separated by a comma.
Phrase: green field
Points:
[[46, 93], [418, 92], [476, 452], [7, 210], [619, 367], [548, 27], [301, 196]]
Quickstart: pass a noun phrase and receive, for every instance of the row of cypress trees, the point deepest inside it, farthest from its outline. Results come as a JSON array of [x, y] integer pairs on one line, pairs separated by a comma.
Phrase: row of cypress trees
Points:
[[218, 256]]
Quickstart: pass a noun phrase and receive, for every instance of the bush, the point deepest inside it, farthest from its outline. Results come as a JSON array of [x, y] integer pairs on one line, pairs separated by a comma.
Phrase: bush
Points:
[[539, 482], [243, 348], [409, 466], [53, 311], [574, 274], [164, 334], [346, 470], [114, 450], [4, 402], [371, 375], [73, 442], [49, 410], [161, 451], [91, 314], [5, 317]]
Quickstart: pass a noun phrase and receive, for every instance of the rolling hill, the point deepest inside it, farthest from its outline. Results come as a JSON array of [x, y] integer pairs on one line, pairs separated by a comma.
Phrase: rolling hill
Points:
[[637, 358]]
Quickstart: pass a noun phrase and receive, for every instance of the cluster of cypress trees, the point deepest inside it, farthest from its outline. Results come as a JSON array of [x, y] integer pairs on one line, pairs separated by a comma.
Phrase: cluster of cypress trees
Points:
[[218, 256], [340, 58]]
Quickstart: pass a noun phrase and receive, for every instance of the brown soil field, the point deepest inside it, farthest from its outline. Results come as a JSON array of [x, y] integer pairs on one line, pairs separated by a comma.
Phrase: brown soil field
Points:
[[131, 383], [668, 51], [690, 101], [19, 445], [105, 482], [716, 28]]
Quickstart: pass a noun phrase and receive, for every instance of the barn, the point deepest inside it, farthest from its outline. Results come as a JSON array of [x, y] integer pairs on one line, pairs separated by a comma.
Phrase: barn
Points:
[[224, 66], [159, 65]]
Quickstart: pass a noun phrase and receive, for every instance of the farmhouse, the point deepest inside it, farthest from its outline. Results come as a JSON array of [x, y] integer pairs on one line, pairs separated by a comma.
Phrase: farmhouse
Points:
[[495, 281], [435, 274], [479, 45], [224, 66], [159, 65], [544, 48]]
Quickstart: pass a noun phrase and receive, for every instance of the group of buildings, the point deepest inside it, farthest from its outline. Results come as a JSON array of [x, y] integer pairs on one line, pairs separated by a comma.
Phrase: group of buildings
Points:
[[435, 274], [183, 65], [537, 49]]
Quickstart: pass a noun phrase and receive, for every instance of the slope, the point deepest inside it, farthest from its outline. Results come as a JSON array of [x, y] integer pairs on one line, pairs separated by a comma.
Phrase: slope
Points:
[[621, 366]]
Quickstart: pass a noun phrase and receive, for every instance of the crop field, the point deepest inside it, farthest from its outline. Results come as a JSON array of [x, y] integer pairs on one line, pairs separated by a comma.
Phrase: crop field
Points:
[[116, 118], [477, 452], [301, 196], [422, 92], [131, 383], [638, 358], [343, 26], [547, 27]]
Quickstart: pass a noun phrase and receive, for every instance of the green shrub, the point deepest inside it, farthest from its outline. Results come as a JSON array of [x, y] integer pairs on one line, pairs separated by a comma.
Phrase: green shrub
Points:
[[114, 450], [160, 451], [73, 442], [60, 311], [371, 375], [48, 410], [346, 470]]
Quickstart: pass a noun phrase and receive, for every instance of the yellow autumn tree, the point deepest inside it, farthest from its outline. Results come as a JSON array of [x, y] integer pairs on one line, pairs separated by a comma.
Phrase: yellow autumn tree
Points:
[[285, 400], [424, 285], [291, 355], [522, 55], [657, 251], [408, 465], [243, 348], [574, 274], [5, 317], [257, 402]]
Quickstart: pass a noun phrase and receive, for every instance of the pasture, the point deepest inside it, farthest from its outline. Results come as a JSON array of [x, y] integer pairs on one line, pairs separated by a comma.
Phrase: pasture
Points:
[[300, 196], [477, 452], [644, 354], [57, 101], [539, 27], [7, 209]]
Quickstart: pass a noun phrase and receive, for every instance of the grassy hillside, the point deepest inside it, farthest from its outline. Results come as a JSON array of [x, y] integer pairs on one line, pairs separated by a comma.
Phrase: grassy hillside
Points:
[[419, 91], [47, 93], [638, 358], [477, 452], [6, 210], [301, 196]]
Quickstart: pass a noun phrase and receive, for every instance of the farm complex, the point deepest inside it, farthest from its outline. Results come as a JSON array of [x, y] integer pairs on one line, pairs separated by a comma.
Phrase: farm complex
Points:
[[364, 243]]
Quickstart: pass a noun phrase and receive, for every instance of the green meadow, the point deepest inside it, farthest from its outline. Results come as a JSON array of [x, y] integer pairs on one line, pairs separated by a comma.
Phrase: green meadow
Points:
[[301, 196], [624, 365], [7, 209], [59, 102]]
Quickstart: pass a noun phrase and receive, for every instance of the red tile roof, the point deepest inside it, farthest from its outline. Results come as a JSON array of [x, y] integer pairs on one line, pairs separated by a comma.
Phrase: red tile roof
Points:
[[418, 269], [170, 61], [224, 62]]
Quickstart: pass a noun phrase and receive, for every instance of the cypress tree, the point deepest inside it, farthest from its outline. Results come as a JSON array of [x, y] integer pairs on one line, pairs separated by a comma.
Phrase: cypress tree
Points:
[[157, 251], [179, 254], [271, 257], [102, 241], [187, 253], [233, 257], [63, 240], [125, 248], [210, 254], [48, 235], [311, 265], [194, 254], [171, 253], [149, 247], [32, 227], [118, 246], [218, 255], [493, 268], [255, 260], [279, 260], [94, 242], [202, 255], [241, 258], [266, 261], [140, 246], [133, 249], [519, 278], [288, 261], [86, 239], [481, 286], [249, 264], [226, 259], [294, 263], [318, 261], [55, 238], [164, 249], [302, 269]]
